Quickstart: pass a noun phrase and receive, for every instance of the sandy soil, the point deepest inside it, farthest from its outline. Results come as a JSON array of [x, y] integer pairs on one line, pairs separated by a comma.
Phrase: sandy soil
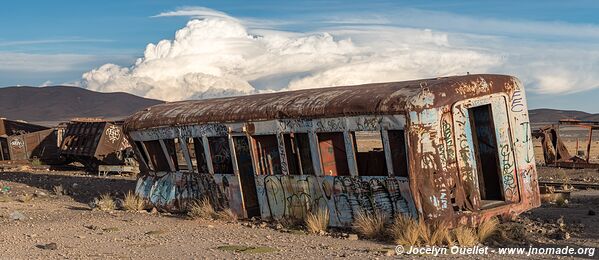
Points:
[[83, 233], [80, 232]]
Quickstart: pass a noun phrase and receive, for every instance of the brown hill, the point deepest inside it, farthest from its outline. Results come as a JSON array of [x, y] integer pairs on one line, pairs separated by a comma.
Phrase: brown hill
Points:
[[545, 115], [47, 105]]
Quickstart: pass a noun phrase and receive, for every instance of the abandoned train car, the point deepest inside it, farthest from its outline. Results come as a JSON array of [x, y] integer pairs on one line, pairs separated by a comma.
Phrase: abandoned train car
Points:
[[21, 142], [93, 142], [456, 149]]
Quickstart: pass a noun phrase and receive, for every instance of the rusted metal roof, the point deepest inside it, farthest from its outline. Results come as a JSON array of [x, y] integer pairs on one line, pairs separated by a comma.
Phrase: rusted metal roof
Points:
[[376, 98]]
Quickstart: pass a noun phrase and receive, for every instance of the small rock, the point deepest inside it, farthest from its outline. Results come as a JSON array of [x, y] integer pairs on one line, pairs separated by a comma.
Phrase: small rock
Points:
[[279, 227], [40, 194], [591, 212], [154, 211], [352, 237], [50, 246], [15, 215], [390, 252], [263, 224]]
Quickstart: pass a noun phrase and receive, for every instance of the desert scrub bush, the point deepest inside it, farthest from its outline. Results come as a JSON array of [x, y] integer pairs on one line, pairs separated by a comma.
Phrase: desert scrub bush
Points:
[[441, 235], [465, 236], [36, 162], [405, 231], [438, 234], [486, 229], [317, 220], [106, 202], [26, 198], [58, 190], [226, 215], [371, 225], [201, 209], [132, 202]]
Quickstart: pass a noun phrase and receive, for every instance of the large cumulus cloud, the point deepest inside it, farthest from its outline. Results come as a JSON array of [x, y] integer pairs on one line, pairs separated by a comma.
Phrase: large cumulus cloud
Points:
[[218, 55]]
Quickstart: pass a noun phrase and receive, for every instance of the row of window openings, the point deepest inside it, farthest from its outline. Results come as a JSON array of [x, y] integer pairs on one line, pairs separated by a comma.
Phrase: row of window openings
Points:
[[368, 146]]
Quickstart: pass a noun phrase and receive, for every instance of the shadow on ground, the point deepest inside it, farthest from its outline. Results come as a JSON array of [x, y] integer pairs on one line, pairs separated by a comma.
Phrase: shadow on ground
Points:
[[82, 188]]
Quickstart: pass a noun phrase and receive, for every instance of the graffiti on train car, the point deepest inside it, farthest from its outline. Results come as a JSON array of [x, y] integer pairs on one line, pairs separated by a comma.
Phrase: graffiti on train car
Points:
[[295, 196]]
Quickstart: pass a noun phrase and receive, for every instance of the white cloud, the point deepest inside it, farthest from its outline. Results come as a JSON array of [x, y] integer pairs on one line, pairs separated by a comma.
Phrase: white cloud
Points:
[[219, 55]]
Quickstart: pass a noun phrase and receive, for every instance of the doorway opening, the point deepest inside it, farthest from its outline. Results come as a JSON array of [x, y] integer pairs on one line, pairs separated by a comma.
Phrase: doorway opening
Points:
[[487, 154], [246, 176]]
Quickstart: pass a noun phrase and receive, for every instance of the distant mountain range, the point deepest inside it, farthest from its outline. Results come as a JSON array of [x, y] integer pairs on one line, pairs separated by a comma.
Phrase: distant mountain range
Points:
[[545, 115], [51, 105]]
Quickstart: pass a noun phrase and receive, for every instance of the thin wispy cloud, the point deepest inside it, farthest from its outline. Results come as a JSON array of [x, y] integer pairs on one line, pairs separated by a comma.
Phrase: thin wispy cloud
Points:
[[51, 41], [10, 61], [195, 12]]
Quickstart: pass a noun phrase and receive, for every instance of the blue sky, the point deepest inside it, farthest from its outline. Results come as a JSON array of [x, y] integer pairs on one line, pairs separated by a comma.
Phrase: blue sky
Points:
[[551, 45]]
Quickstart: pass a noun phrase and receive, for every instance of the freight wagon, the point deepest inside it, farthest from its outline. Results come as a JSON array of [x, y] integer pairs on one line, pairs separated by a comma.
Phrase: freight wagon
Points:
[[94, 142]]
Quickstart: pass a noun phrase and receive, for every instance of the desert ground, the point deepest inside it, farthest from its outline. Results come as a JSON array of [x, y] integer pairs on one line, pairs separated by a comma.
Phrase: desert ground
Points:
[[41, 220]]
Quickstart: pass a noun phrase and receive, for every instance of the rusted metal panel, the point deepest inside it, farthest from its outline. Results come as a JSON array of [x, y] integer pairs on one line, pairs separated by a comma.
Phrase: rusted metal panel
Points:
[[555, 152], [94, 142], [37, 145], [443, 165]]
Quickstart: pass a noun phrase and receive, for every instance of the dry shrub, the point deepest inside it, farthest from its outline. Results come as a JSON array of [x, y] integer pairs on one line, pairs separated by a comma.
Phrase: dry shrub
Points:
[[227, 215], [58, 190], [465, 236], [440, 235], [133, 202], [318, 220], [424, 230], [371, 225], [26, 198], [106, 202], [202, 209], [486, 229], [405, 231]]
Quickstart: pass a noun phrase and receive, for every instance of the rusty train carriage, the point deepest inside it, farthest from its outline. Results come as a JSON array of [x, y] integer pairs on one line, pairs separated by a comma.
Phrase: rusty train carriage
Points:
[[456, 149], [21, 142], [94, 142]]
